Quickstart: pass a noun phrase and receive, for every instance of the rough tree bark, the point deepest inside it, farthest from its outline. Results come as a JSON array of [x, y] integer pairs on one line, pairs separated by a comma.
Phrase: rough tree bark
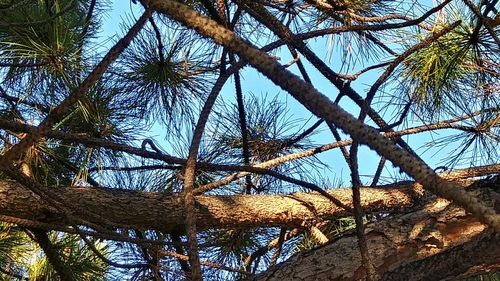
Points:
[[406, 243], [151, 210], [405, 247]]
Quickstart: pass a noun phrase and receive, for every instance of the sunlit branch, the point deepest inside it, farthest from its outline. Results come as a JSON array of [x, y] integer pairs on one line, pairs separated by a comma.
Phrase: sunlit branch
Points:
[[345, 89], [258, 169], [386, 18], [126, 209], [322, 107]]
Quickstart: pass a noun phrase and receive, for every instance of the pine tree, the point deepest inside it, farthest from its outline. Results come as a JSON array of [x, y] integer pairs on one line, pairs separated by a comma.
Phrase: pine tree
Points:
[[237, 186]]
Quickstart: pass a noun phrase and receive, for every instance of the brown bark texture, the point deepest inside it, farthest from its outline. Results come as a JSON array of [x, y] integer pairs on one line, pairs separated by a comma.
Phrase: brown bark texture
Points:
[[436, 242], [161, 211]]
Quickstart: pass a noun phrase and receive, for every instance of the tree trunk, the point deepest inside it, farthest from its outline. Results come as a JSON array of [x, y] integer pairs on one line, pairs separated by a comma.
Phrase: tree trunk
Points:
[[479, 255], [433, 243]]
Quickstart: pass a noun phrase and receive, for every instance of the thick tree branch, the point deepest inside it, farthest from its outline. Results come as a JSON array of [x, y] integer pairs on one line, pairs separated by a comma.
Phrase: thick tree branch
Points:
[[322, 107], [165, 212]]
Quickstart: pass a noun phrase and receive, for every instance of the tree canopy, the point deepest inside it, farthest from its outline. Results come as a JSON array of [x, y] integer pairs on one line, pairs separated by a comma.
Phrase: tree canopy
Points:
[[207, 141]]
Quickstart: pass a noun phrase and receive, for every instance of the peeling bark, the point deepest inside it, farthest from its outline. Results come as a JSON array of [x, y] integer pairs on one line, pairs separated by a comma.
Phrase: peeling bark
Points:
[[400, 244], [480, 254]]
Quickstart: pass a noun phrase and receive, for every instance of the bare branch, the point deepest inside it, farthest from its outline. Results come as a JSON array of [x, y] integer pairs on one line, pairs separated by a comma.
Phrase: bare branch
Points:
[[321, 106]]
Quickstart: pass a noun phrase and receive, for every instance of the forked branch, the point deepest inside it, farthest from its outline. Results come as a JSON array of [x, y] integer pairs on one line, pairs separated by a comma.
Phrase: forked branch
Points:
[[322, 107]]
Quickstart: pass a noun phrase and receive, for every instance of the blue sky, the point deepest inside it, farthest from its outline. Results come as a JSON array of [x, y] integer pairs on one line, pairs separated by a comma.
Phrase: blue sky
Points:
[[256, 83]]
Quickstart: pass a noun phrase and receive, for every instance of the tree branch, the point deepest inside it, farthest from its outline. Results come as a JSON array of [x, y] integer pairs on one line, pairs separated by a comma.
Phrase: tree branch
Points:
[[322, 107], [165, 212], [53, 256]]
